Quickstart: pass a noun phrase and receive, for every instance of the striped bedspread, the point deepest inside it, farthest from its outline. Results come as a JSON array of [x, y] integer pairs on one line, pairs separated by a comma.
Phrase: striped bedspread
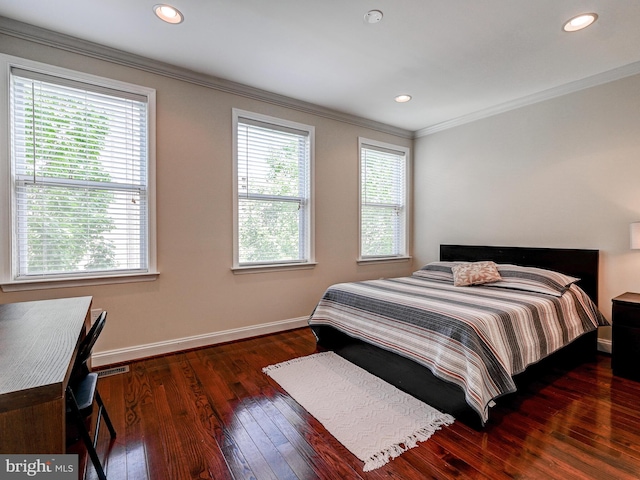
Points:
[[477, 337]]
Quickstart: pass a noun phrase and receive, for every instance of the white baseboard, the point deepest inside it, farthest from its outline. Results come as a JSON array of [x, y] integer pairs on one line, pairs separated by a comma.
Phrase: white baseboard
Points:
[[604, 345], [122, 355]]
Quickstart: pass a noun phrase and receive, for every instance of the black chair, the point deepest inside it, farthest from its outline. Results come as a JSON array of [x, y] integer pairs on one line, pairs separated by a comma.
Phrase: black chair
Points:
[[81, 393]]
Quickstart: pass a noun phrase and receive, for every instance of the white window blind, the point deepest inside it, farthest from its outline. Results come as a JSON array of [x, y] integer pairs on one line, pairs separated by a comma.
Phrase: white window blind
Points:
[[273, 193], [382, 201], [79, 160]]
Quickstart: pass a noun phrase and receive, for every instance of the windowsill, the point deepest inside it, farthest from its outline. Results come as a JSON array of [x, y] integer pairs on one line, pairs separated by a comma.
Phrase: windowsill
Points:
[[24, 285], [278, 267], [368, 261]]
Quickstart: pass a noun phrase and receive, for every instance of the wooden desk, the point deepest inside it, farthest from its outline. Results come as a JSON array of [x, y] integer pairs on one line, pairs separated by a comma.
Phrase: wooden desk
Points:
[[38, 345]]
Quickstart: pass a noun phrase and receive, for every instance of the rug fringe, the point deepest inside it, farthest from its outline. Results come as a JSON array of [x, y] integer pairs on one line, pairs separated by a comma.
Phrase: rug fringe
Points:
[[293, 361], [382, 458]]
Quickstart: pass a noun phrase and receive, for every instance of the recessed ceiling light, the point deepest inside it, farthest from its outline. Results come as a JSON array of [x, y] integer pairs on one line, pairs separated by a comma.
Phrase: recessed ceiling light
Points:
[[403, 98], [579, 22], [373, 16], [168, 13]]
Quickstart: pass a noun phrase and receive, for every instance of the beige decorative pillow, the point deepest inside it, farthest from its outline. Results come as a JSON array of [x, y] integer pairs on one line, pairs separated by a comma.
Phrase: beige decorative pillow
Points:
[[475, 273]]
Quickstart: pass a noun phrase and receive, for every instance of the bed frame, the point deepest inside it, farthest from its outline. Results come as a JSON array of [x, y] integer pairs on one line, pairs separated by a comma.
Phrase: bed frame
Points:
[[448, 397]]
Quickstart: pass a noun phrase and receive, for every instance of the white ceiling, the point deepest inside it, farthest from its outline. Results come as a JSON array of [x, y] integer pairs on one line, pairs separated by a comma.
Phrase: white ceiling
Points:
[[455, 57]]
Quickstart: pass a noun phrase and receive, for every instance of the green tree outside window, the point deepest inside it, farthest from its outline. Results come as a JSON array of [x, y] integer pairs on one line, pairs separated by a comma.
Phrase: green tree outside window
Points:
[[66, 223]]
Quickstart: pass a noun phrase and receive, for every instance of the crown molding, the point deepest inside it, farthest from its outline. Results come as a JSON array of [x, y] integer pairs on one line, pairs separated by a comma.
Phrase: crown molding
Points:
[[68, 43], [571, 87]]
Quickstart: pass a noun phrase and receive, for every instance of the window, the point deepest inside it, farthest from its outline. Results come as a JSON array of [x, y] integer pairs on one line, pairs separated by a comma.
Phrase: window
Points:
[[383, 200], [273, 185], [81, 176]]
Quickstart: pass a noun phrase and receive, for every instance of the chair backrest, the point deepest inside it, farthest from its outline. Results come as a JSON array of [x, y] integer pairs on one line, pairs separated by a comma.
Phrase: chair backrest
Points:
[[87, 343]]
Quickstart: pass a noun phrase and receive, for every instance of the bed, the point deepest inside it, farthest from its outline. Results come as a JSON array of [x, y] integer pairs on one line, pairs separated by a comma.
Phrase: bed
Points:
[[462, 349]]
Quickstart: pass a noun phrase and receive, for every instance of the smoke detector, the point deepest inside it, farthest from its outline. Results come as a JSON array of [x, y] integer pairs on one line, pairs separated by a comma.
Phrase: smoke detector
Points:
[[373, 16]]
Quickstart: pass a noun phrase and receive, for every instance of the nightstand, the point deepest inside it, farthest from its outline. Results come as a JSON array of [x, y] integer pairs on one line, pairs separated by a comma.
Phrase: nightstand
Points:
[[625, 358]]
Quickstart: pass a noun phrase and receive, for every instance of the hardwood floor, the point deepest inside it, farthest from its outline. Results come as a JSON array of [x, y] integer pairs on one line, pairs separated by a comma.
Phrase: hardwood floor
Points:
[[212, 414]]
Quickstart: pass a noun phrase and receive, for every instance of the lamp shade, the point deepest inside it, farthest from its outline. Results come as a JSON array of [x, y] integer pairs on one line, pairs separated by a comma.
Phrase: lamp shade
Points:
[[635, 235]]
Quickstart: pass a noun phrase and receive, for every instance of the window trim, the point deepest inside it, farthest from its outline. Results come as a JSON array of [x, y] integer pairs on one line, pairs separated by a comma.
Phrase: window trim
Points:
[[236, 267], [404, 256], [7, 281]]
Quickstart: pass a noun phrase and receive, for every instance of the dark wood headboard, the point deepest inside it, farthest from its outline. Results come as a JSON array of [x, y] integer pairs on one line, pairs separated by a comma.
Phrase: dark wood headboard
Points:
[[582, 264]]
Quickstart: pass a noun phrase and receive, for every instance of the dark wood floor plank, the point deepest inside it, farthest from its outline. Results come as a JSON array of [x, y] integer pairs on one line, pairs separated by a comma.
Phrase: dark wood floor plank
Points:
[[564, 457], [269, 440], [485, 463], [492, 441], [265, 445], [289, 452], [137, 392], [212, 413], [114, 457], [586, 421], [303, 436], [316, 464], [223, 376], [166, 425], [223, 403], [197, 425], [317, 437]]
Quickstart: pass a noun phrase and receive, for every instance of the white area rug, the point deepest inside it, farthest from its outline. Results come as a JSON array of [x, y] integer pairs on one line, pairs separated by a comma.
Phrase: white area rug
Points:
[[372, 419]]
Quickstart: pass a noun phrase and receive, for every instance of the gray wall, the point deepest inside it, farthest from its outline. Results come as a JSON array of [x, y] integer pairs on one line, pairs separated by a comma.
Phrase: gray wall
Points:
[[560, 173]]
